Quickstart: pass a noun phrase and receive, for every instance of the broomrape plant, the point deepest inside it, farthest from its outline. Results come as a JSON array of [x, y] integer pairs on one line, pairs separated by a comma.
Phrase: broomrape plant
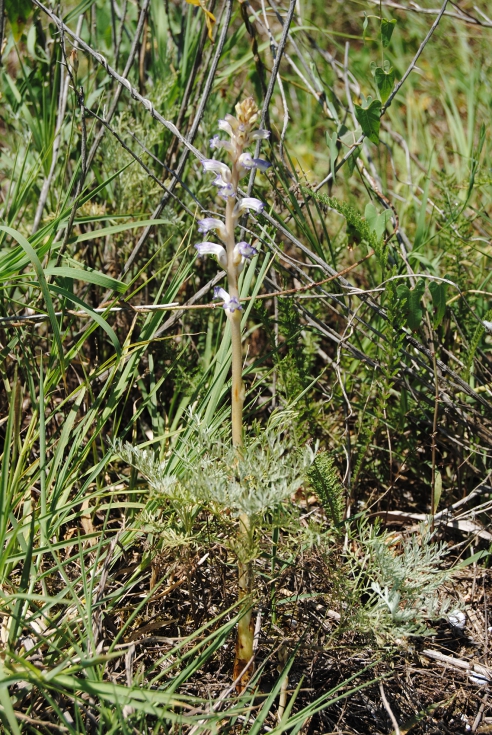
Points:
[[240, 134], [247, 478]]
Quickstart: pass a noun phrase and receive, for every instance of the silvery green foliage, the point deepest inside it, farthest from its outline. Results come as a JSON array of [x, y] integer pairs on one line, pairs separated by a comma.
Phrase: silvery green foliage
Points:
[[267, 470], [404, 584]]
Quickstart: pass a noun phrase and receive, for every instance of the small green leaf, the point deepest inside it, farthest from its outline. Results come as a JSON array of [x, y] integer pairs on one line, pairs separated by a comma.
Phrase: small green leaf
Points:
[[436, 491], [332, 141], [377, 222], [438, 293], [415, 310], [18, 13], [369, 118], [349, 138], [387, 28], [385, 81], [371, 214], [364, 26], [412, 306], [351, 161], [402, 292], [88, 276]]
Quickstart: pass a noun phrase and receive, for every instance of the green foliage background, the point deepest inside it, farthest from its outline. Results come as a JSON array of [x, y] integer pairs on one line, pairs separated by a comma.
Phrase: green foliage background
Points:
[[386, 365]]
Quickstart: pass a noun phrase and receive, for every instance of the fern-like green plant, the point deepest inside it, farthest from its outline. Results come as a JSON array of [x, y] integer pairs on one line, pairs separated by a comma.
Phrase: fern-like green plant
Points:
[[474, 343], [325, 481], [401, 586]]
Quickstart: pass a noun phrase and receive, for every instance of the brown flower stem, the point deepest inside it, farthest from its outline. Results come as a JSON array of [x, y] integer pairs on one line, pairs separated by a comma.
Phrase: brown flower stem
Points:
[[245, 631]]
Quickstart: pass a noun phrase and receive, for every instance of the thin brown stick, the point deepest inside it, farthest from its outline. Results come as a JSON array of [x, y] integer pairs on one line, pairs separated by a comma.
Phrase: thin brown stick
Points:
[[271, 84], [174, 306], [388, 709]]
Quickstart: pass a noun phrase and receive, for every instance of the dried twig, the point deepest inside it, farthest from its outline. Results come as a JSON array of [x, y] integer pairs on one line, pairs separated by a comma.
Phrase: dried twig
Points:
[[460, 14], [388, 709], [147, 104], [271, 84], [480, 670]]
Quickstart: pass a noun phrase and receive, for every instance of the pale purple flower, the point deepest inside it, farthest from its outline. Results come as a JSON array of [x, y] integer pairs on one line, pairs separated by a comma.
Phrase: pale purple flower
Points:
[[231, 303], [226, 126], [246, 161], [221, 293], [216, 142], [223, 178], [220, 182], [248, 203], [225, 190], [210, 164], [246, 250], [212, 248], [261, 164], [260, 135], [242, 252], [211, 223]]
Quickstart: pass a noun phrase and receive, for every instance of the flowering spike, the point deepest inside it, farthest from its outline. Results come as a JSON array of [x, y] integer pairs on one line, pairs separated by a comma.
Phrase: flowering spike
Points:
[[234, 256]]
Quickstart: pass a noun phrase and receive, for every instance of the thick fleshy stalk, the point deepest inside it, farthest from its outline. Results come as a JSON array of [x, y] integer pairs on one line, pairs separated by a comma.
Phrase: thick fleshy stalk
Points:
[[243, 662]]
